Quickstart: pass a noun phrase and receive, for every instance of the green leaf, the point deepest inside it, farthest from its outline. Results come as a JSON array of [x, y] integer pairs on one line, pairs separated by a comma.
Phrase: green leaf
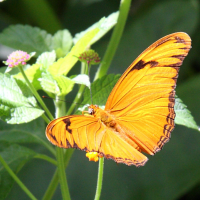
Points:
[[58, 85], [82, 79], [26, 38], [3, 69], [65, 84], [46, 59], [101, 89], [104, 24], [64, 65], [17, 103], [15, 156], [62, 43], [32, 132], [49, 84], [61, 85], [183, 115], [36, 126]]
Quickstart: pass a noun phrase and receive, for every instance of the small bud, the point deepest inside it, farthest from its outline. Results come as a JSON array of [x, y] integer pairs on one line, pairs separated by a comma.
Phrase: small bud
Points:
[[90, 57]]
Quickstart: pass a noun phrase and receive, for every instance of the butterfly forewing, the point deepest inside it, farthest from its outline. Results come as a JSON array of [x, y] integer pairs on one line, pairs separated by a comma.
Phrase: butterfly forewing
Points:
[[145, 105]]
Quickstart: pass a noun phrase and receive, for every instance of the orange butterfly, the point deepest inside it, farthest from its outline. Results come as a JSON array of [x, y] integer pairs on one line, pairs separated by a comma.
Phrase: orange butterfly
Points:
[[139, 113]]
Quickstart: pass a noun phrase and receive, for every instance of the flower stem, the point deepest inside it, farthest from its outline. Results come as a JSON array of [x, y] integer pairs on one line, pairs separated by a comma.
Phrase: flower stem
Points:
[[54, 182], [35, 93], [105, 63], [23, 187], [52, 187], [60, 111], [62, 174], [116, 36], [100, 179], [84, 70], [46, 119], [47, 158]]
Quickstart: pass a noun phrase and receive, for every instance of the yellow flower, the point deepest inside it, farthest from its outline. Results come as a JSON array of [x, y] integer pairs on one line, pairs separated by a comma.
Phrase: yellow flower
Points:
[[93, 156]]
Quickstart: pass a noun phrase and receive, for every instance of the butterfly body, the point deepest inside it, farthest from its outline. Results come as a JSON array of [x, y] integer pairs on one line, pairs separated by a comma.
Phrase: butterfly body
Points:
[[139, 113], [104, 116]]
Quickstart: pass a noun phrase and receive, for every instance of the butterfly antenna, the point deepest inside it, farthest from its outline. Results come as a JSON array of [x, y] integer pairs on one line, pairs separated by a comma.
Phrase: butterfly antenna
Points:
[[91, 95], [90, 82], [62, 100]]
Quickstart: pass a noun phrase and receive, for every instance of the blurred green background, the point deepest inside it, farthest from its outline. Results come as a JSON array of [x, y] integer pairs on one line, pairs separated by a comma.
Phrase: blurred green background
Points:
[[173, 173]]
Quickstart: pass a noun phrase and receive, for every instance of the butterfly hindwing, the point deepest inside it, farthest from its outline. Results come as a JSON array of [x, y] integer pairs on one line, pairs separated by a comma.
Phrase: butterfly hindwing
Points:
[[88, 134]]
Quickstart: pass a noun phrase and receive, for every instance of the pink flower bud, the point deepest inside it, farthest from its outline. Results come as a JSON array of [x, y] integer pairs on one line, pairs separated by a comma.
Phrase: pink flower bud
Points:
[[16, 58]]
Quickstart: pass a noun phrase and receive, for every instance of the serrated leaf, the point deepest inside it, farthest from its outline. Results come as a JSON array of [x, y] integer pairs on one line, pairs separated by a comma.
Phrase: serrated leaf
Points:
[[15, 156], [49, 84], [65, 84], [46, 59], [82, 79], [64, 65], [26, 38], [58, 85], [104, 24], [101, 89], [62, 42], [183, 115], [17, 105]]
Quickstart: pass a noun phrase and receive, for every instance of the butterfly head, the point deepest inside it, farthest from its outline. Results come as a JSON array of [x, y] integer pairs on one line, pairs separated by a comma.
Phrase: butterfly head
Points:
[[92, 109]]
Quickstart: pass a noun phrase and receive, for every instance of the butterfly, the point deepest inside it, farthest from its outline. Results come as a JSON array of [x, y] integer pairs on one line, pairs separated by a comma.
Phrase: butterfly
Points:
[[139, 113]]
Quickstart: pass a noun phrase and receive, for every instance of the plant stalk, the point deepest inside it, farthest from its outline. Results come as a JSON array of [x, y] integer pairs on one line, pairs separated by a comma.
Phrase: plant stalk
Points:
[[115, 39], [21, 185]]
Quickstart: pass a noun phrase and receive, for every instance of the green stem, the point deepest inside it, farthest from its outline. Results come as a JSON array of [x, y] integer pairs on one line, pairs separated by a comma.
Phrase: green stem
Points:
[[116, 36], [52, 187], [76, 100], [100, 179], [35, 93], [47, 158], [23, 187], [112, 47], [40, 101], [54, 182], [60, 155], [84, 70], [62, 174], [46, 119], [46, 144]]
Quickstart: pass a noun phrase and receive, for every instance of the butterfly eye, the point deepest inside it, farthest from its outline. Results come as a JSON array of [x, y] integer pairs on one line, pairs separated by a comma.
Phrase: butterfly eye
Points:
[[91, 111]]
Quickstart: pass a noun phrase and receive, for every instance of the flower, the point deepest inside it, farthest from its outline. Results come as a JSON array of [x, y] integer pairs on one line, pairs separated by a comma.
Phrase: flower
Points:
[[93, 156], [90, 57], [16, 58]]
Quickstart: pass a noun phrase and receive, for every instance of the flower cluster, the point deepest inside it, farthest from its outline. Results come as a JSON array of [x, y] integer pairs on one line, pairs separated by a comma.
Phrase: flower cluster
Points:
[[90, 57], [16, 58]]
